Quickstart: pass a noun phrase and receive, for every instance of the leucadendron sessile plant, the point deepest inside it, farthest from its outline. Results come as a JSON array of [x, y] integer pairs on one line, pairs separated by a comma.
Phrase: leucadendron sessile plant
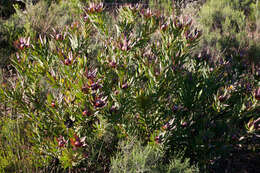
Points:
[[86, 87]]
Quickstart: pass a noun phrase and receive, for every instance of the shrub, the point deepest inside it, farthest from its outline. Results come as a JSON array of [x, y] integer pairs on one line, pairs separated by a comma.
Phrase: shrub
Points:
[[133, 157], [7, 9], [34, 18], [225, 30], [15, 150], [10, 30], [222, 24], [41, 17], [178, 166], [87, 87]]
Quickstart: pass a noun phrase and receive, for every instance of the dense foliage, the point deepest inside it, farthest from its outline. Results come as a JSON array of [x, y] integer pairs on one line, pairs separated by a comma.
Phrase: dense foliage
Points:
[[98, 92]]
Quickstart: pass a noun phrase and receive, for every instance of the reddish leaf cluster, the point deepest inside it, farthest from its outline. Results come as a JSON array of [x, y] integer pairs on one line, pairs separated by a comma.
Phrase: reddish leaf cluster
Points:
[[94, 8], [57, 35], [77, 142], [22, 43], [99, 103], [191, 36], [61, 141], [147, 13], [86, 112]]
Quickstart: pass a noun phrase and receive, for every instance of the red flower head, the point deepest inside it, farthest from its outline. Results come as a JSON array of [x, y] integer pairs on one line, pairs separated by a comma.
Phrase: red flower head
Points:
[[125, 85], [86, 113], [112, 64], [68, 60], [99, 103], [22, 43], [158, 139], [95, 86], [94, 8], [177, 23], [91, 74], [53, 104], [77, 142], [61, 141], [257, 94]]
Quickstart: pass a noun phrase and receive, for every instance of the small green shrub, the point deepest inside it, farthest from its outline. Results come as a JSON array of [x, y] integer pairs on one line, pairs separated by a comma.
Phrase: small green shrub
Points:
[[15, 150], [133, 157], [41, 17], [227, 32], [10, 30], [223, 26], [34, 18], [178, 166]]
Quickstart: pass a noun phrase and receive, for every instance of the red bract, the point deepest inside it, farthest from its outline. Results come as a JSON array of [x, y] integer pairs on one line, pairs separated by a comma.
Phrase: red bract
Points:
[[61, 141], [158, 139], [222, 98], [125, 45], [177, 23], [187, 21], [86, 18], [99, 103], [164, 27], [22, 43], [56, 35], [77, 142], [134, 8], [166, 126], [91, 74], [125, 85], [94, 8], [257, 94], [116, 92], [257, 124], [189, 35], [113, 109], [53, 104], [95, 86], [68, 60], [86, 112], [147, 13], [112, 64], [184, 124], [85, 89]]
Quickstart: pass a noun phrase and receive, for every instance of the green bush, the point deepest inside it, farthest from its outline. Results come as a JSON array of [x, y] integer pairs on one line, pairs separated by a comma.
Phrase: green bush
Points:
[[85, 88], [226, 26], [223, 26], [10, 30], [41, 17], [133, 157], [34, 19], [16, 154]]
